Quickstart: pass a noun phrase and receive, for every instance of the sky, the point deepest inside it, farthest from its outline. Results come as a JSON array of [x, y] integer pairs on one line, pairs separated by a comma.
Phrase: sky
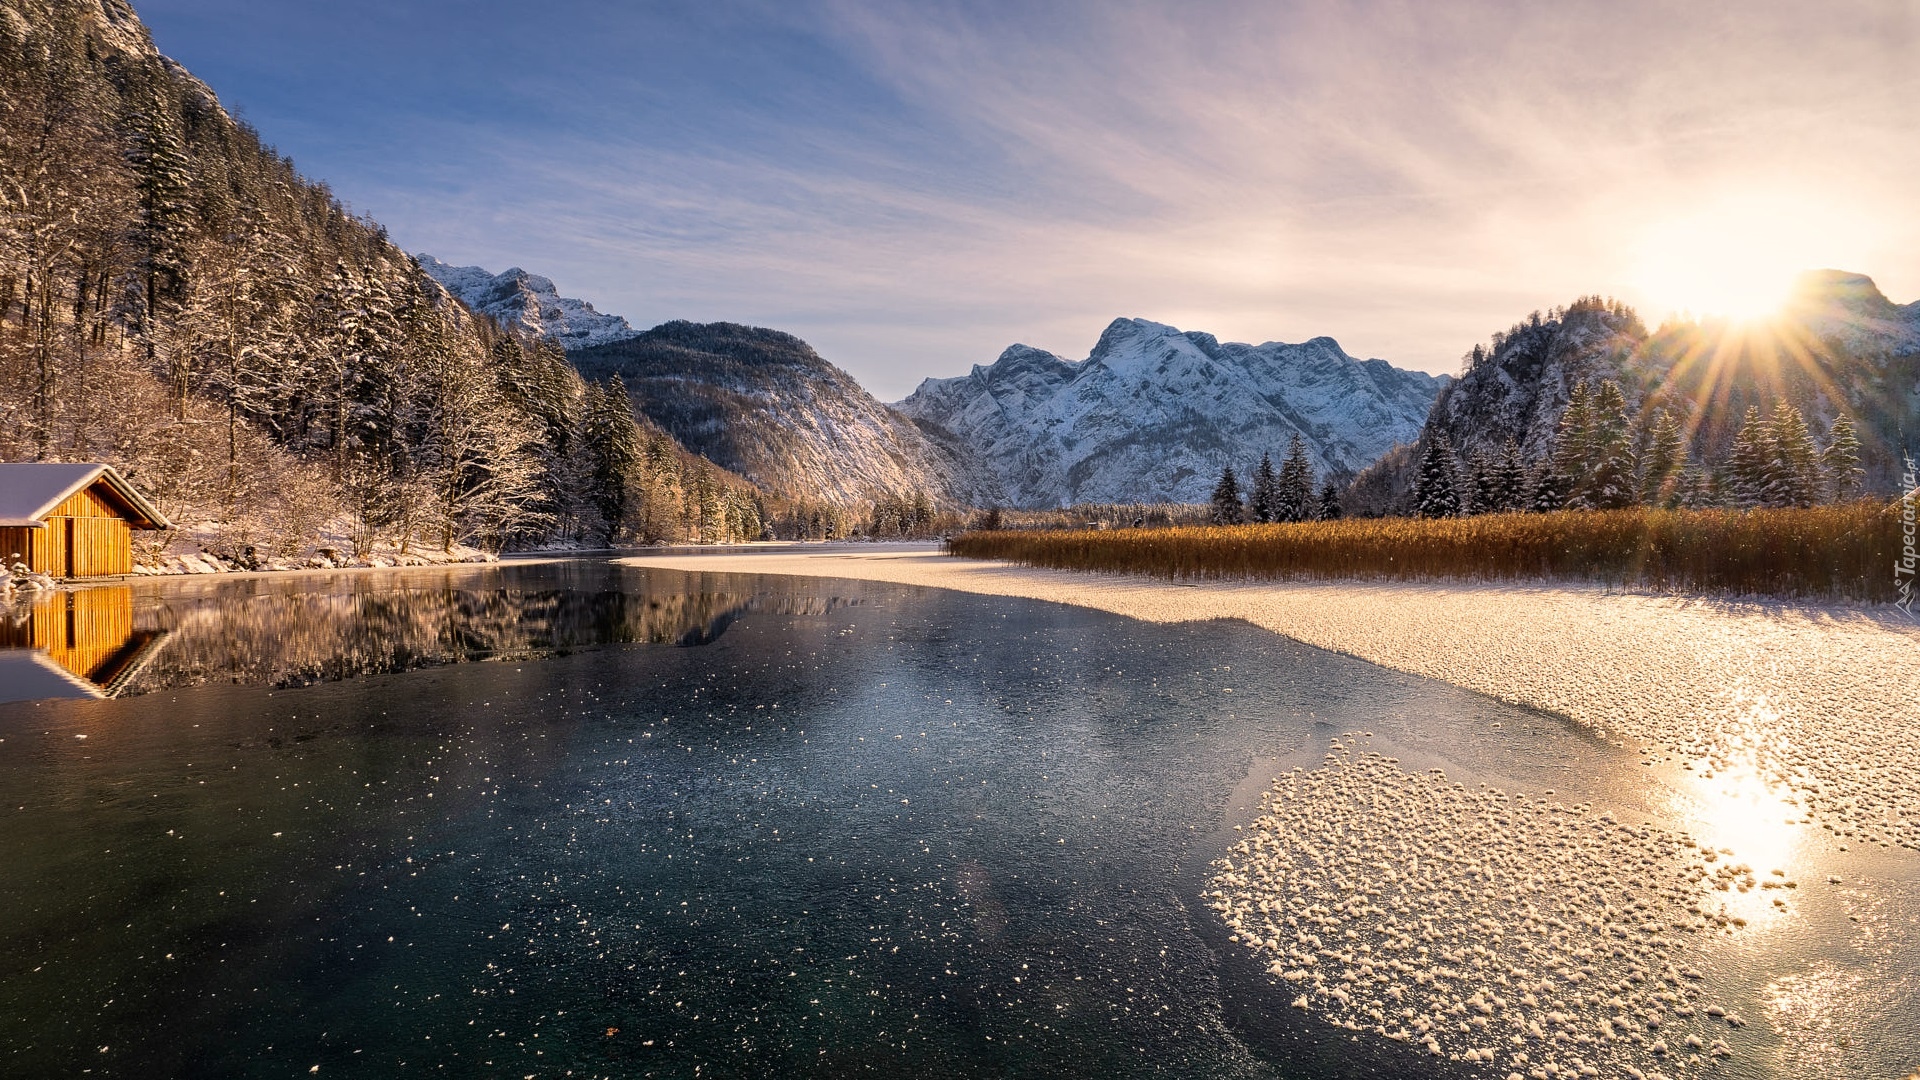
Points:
[[912, 187]]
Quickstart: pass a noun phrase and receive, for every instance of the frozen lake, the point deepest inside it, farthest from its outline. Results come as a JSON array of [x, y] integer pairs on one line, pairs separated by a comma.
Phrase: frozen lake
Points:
[[735, 825]]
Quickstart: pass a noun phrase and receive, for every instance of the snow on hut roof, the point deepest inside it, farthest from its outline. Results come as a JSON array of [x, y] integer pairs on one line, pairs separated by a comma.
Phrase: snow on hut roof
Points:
[[29, 491]]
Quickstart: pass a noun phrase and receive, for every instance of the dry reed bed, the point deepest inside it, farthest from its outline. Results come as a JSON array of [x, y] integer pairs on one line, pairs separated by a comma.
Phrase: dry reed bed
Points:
[[1844, 552]]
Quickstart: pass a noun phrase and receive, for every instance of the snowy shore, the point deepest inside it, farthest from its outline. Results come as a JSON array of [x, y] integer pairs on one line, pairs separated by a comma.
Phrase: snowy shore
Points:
[[177, 563]]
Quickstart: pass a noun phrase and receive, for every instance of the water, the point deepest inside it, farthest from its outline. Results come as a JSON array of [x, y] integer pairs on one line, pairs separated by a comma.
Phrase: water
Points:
[[582, 820]]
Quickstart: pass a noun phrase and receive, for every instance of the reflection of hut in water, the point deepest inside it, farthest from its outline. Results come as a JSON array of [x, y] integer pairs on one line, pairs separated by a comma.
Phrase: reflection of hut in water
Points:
[[73, 644]]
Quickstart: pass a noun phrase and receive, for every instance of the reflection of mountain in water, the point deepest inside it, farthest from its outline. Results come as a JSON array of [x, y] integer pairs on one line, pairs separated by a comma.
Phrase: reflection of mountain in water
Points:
[[73, 644], [297, 638]]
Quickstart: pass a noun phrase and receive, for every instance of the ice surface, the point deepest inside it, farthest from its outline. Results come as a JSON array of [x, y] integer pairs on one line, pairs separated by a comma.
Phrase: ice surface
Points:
[[1498, 930], [1816, 705]]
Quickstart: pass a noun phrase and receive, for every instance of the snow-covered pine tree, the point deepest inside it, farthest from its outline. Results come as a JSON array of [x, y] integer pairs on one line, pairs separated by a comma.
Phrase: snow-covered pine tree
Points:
[[1329, 509], [1748, 465], [700, 502], [611, 440], [655, 513], [1435, 493], [1510, 478], [1661, 464], [1840, 461], [1793, 475], [472, 457], [1547, 489], [534, 374], [1483, 483], [1263, 500], [1293, 494], [1572, 456], [1693, 487], [1608, 483], [1226, 499], [163, 181]]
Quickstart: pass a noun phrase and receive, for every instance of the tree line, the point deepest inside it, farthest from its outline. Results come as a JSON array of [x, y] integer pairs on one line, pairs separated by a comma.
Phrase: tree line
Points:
[[1601, 459], [1276, 495]]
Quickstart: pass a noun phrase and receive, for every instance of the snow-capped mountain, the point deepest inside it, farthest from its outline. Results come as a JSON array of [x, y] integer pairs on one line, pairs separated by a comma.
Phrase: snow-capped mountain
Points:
[[765, 405], [1153, 414], [530, 302]]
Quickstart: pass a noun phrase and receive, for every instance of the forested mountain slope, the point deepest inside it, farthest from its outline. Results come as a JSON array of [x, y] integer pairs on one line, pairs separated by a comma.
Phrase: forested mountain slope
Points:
[[177, 299], [1839, 348], [765, 405]]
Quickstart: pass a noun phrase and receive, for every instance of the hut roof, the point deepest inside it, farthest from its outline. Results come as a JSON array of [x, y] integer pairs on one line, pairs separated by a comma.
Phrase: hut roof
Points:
[[29, 491]]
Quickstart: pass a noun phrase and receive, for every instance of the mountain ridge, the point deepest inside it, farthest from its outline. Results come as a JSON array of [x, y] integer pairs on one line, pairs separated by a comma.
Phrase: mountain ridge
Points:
[[1838, 345], [529, 301], [762, 403], [1153, 413]]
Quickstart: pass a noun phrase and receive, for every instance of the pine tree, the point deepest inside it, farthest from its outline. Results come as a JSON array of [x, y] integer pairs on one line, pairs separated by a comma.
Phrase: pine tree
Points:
[[1840, 462], [1608, 483], [1693, 488], [1226, 499], [1794, 477], [163, 182], [1573, 449], [1263, 501], [1484, 495], [1660, 466], [1435, 493], [1549, 489], [612, 444], [1750, 462], [1510, 478], [1329, 502], [1294, 491]]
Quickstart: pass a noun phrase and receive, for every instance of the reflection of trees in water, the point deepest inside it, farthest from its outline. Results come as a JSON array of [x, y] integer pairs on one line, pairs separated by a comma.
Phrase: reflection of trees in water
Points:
[[290, 639]]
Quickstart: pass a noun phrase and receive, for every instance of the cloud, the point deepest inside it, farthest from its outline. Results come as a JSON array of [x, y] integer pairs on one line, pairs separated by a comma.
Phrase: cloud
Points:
[[914, 186]]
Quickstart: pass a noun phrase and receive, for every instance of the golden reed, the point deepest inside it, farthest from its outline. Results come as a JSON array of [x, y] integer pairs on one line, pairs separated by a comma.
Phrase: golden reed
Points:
[[1844, 552]]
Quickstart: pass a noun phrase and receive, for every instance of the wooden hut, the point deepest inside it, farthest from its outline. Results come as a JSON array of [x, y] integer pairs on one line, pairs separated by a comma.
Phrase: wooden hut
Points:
[[71, 521]]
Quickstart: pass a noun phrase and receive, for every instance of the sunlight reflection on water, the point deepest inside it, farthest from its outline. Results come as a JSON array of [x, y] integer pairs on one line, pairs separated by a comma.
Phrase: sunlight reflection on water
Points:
[[1738, 814], [1809, 1010]]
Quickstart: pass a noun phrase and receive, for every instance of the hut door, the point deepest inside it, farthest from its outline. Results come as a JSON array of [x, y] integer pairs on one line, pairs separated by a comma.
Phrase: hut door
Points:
[[73, 565]]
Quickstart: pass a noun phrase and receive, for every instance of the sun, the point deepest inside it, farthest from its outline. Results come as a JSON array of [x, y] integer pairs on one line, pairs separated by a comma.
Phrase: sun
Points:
[[1734, 258]]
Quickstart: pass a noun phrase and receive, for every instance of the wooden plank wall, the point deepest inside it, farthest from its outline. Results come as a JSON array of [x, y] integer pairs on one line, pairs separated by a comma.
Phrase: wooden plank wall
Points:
[[101, 544], [18, 541]]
